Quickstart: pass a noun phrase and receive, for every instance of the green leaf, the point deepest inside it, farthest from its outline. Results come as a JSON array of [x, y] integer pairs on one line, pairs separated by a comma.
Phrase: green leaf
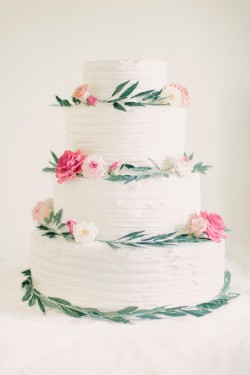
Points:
[[119, 88], [27, 294], [32, 301], [71, 312], [143, 93], [42, 227], [132, 178], [127, 310], [47, 220], [76, 101], [65, 103], [119, 107], [128, 91], [120, 177], [149, 316], [154, 163], [136, 169], [153, 95], [59, 100], [27, 272], [134, 104], [199, 167], [49, 234], [48, 169], [54, 157], [40, 304], [132, 235], [58, 216], [59, 300], [61, 225], [112, 245]]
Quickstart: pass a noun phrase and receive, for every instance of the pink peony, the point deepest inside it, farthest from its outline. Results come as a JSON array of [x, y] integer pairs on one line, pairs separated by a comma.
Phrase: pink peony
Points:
[[81, 92], [215, 230], [69, 164], [171, 91], [114, 168], [70, 225], [92, 100], [43, 210], [94, 166]]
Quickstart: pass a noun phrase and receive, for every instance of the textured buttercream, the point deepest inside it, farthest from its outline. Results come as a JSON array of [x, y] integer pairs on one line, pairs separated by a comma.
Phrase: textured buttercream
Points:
[[158, 205], [103, 76], [98, 276]]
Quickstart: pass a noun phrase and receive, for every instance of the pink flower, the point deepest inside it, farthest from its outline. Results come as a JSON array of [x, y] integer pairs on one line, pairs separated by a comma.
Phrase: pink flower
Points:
[[114, 168], [215, 230], [92, 100], [69, 164], [177, 94], [70, 225], [43, 210], [94, 166], [81, 92], [210, 225]]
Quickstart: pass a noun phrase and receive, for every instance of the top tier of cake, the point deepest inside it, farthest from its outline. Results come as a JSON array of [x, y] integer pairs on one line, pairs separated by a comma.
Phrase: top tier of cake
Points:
[[105, 75], [134, 136]]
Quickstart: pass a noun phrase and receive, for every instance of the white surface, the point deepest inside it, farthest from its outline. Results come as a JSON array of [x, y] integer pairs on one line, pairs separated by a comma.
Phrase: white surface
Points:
[[96, 275], [33, 344], [43, 45], [104, 76], [157, 205], [129, 136]]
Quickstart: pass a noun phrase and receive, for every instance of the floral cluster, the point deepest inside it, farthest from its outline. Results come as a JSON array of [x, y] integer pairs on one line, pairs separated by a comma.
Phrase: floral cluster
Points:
[[82, 94], [126, 95], [206, 225], [72, 164]]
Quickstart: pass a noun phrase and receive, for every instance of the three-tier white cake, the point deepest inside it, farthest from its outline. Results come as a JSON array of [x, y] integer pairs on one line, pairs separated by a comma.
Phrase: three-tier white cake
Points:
[[140, 240]]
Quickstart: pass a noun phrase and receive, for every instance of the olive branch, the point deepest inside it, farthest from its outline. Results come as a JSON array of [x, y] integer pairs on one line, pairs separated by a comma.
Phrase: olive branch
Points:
[[33, 296]]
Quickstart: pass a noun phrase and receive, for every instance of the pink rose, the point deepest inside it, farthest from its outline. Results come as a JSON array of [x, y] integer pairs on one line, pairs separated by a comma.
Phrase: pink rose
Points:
[[215, 230], [69, 164], [94, 166], [114, 168], [172, 90], [70, 225], [92, 100], [196, 226], [81, 92], [43, 210]]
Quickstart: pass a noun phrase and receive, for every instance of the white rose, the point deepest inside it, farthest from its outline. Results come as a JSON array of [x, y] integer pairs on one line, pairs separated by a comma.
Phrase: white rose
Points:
[[94, 166], [85, 232], [173, 95], [181, 165]]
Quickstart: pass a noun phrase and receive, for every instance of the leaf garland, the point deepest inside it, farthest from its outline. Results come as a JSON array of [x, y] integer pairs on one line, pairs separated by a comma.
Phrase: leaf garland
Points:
[[141, 239], [143, 98], [33, 296]]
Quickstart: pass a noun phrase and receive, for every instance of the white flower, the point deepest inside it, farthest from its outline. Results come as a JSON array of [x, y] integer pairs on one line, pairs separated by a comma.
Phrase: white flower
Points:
[[173, 95], [85, 232], [94, 166]]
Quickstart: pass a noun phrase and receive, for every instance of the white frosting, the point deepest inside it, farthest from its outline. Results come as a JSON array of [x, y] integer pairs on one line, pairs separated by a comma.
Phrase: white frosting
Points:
[[105, 76], [98, 276], [158, 205], [155, 132]]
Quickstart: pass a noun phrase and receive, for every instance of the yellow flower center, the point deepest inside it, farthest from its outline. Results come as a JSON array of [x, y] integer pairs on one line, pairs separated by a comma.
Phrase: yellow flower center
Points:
[[171, 96], [84, 232]]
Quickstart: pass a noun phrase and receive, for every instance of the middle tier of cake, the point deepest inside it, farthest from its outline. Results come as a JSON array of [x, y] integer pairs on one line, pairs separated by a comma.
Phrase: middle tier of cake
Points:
[[159, 205]]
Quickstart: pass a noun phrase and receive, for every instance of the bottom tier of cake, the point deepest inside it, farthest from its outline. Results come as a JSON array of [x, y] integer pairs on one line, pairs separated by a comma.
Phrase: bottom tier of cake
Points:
[[97, 276]]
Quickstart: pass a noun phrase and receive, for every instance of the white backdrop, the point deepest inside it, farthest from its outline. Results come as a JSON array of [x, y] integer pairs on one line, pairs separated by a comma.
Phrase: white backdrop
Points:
[[43, 44]]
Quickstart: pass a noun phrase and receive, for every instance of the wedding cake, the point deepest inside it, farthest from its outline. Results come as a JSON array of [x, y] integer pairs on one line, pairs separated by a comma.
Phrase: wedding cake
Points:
[[125, 226]]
